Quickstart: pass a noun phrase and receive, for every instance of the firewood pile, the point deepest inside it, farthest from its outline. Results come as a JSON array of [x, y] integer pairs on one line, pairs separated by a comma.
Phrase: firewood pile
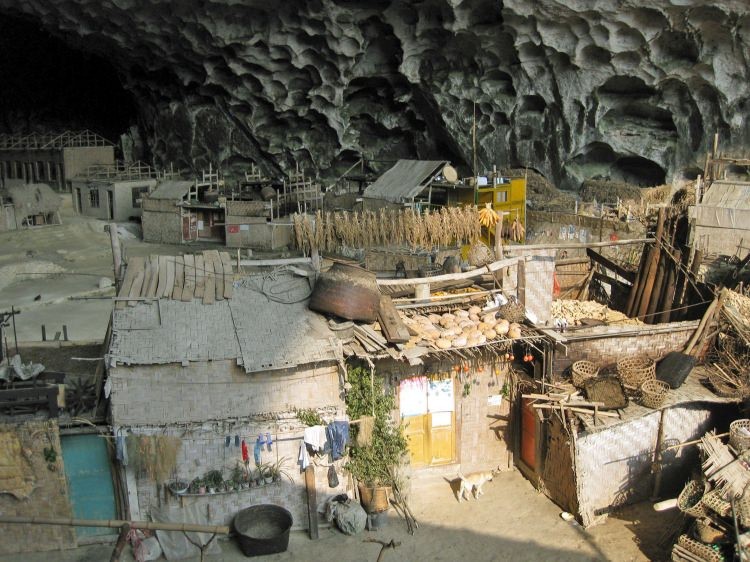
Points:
[[728, 361]]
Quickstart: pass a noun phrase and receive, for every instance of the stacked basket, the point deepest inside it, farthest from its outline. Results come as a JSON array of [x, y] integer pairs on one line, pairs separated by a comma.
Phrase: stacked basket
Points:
[[581, 371], [634, 371], [653, 393]]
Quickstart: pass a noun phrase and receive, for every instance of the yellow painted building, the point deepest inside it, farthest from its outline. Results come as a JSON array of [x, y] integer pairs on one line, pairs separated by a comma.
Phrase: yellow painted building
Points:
[[507, 195]]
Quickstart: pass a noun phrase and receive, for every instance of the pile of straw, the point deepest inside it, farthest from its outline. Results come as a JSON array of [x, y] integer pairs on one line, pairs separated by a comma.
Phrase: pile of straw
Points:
[[365, 229]]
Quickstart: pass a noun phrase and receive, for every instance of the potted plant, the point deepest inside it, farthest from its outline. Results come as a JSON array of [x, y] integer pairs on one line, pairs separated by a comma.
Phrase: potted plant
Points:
[[214, 480], [266, 472], [278, 469], [197, 486], [178, 487], [237, 477], [374, 465]]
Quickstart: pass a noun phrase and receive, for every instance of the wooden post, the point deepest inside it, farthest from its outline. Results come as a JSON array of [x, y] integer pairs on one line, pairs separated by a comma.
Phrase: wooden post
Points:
[[656, 466], [637, 282], [499, 237], [116, 255], [122, 540], [653, 301], [648, 285], [669, 287], [312, 501], [521, 282]]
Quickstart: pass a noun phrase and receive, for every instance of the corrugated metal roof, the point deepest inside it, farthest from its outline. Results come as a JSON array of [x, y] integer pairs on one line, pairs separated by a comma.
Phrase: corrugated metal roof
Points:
[[728, 194], [172, 189], [405, 180]]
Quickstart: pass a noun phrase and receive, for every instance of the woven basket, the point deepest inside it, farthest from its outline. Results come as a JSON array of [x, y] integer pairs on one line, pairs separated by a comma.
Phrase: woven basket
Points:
[[512, 312], [739, 435], [653, 393], [582, 370], [634, 371], [705, 532], [480, 254], [690, 499], [701, 550], [714, 501]]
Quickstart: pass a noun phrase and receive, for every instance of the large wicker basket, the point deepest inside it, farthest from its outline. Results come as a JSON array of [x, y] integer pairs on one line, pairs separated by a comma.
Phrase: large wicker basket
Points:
[[700, 550], [739, 435], [581, 371], [690, 499], [653, 393], [634, 371]]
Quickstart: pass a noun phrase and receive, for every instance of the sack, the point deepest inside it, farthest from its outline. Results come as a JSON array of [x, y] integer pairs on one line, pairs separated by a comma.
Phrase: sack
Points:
[[333, 478]]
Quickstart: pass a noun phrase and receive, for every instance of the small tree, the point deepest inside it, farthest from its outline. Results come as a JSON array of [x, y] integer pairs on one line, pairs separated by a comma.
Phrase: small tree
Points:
[[373, 464]]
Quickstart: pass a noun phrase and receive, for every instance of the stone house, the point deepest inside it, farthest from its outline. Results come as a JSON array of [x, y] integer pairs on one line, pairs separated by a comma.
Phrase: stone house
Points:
[[206, 373], [113, 192], [52, 158]]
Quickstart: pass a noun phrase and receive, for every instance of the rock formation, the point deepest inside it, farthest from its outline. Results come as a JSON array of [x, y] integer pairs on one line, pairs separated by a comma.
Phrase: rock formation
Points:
[[626, 89]]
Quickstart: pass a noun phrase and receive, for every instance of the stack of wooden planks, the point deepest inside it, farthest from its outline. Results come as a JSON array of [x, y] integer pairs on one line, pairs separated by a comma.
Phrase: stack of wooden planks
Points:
[[207, 276], [571, 401]]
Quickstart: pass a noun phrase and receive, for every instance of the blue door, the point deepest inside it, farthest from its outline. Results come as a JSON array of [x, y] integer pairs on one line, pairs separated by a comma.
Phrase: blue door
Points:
[[87, 470]]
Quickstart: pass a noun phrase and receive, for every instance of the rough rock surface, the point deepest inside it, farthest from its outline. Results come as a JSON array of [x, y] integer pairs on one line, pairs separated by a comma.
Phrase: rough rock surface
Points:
[[625, 89]]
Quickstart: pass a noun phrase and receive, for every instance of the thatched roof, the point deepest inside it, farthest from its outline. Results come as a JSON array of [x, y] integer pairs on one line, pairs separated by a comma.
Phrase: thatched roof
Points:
[[32, 199]]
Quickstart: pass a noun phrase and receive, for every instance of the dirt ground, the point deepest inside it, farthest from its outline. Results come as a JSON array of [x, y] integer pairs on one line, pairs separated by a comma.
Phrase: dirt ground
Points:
[[52, 275], [511, 521]]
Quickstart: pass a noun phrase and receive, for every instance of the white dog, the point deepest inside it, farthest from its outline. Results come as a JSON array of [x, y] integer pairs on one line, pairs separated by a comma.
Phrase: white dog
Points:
[[473, 482]]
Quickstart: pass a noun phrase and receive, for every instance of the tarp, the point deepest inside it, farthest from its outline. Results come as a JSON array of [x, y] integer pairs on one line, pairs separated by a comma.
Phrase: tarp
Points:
[[726, 204], [404, 181]]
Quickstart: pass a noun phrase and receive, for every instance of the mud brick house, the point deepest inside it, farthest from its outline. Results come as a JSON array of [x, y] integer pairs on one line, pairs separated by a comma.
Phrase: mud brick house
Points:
[[52, 158], [205, 360]]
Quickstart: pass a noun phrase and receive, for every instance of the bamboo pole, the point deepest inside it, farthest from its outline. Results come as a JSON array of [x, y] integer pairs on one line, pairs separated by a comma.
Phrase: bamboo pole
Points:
[[669, 288], [637, 282], [653, 298], [117, 524]]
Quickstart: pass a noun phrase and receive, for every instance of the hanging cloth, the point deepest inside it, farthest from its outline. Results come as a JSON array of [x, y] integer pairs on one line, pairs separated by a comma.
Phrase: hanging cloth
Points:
[[245, 454], [315, 436], [338, 435], [304, 457]]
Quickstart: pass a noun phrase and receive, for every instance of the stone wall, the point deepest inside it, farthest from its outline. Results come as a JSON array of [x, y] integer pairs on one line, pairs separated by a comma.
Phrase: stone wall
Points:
[[204, 448], [204, 403], [43, 481], [257, 233], [215, 390], [161, 221]]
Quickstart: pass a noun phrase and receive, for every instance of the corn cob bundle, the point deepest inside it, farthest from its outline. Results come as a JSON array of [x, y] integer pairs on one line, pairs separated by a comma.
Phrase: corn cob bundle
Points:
[[487, 216]]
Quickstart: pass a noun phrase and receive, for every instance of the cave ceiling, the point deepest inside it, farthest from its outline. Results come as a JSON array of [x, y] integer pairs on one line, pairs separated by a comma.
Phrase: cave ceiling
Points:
[[625, 89]]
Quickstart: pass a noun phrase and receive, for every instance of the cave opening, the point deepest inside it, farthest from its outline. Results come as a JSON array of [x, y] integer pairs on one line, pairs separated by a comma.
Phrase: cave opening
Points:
[[50, 86], [638, 171]]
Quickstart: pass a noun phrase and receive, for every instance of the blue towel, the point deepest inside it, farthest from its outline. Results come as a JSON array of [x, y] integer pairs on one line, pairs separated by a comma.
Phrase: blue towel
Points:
[[338, 436]]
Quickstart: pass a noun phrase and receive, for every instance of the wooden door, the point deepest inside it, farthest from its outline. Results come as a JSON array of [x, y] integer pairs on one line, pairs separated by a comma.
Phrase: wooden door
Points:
[[442, 437], [415, 431], [528, 434], [186, 227], [89, 476]]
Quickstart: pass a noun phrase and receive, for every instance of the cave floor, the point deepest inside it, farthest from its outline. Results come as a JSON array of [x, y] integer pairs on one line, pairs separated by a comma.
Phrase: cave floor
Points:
[[511, 521]]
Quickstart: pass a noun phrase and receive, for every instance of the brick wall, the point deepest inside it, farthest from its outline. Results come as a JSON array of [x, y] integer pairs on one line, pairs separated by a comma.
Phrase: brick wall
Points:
[[214, 390], [161, 227], [654, 341], [483, 441], [48, 498]]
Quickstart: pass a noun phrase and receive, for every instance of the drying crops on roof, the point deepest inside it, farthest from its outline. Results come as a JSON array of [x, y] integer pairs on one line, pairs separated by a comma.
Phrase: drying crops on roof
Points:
[[574, 311], [331, 230]]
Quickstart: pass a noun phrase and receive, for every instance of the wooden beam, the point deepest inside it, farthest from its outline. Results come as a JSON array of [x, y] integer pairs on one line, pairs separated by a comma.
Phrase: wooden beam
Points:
[[489, 268], [520, 248], [612, 266], [394, 329]]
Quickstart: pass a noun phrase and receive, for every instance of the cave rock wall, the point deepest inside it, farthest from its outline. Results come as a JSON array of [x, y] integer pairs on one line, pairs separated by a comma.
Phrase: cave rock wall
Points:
[[626, 89]]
